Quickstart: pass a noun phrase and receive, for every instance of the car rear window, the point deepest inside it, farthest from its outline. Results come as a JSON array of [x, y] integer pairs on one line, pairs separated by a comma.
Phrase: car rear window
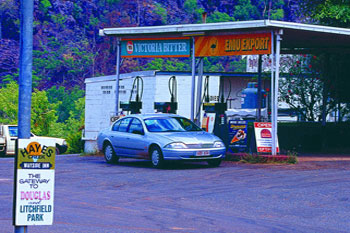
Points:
[[116, 126], [124, 123]]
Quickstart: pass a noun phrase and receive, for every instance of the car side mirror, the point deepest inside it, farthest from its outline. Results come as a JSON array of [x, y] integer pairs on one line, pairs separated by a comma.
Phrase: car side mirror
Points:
[[138, 132]]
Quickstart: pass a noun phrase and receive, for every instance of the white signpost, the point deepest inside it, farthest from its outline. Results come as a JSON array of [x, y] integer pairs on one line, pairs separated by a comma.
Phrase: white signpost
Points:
[[35, 182]]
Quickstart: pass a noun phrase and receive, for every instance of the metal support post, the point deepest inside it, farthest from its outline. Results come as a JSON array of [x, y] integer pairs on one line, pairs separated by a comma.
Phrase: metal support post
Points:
[[117, 78], [199, 81], [259, 88], [275, 97], [199, 92], [272, 82], [193, 79]]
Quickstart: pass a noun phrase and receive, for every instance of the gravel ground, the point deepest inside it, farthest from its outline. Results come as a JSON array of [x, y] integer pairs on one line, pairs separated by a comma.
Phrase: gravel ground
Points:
[[92, 196]]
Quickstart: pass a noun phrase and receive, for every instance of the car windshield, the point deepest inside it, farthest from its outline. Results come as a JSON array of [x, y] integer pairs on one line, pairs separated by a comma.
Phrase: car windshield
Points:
[[13, 131], [170, 124]]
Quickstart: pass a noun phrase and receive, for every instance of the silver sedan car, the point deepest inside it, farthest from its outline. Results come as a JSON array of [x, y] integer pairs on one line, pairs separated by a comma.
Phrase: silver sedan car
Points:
[[159, 138]]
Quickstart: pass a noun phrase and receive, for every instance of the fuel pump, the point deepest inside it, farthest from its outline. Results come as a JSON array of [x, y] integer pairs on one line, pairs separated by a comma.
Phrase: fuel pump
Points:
[[134, 106], [169, 107], [220, 123]]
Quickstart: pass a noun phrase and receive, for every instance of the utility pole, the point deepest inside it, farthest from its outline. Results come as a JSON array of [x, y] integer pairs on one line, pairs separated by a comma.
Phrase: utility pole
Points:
[[25, 75]]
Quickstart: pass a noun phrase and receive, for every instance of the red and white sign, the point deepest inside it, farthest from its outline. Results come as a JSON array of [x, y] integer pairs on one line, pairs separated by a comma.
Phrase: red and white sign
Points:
[[208, 122], [263, 136], [130, 47]]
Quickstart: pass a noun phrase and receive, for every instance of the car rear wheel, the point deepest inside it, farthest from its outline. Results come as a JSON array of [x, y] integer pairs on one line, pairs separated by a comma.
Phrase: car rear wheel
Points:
[[214, 162], [156, 157], [110, 155], [3, 152]]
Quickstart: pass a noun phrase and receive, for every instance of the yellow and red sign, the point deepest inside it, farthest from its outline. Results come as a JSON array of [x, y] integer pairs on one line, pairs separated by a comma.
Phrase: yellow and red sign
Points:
[[231, 45]]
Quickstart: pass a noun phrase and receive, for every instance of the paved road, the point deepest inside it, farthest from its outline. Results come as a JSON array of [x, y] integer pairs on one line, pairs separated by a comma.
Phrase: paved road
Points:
[[92, 196]]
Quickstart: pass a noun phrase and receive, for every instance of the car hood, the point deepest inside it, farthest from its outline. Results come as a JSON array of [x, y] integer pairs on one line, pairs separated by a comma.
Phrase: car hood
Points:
[[59, 141], [189, 137]]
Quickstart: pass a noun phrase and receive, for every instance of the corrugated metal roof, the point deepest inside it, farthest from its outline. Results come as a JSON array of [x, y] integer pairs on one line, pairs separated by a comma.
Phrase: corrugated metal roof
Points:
[[297, 37], [239, 25]]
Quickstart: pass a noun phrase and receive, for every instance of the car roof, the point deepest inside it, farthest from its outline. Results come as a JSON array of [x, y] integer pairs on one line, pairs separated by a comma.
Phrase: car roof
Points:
[[153, 115]]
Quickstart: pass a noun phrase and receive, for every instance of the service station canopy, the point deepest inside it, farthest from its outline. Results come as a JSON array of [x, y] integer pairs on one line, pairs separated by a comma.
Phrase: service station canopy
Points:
[[230, 39], [297, 38]]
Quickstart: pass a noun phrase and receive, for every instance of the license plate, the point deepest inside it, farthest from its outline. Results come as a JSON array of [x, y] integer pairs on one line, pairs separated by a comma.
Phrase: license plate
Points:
[[202, 153]]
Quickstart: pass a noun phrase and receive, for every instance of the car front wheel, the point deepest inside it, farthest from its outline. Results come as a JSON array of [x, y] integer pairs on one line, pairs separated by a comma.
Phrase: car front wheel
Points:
[[214, 162], [110, 155], [156, 157]]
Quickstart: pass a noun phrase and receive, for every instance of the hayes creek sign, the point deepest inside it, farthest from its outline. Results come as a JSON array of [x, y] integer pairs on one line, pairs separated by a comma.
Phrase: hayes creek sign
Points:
[[35, 181]]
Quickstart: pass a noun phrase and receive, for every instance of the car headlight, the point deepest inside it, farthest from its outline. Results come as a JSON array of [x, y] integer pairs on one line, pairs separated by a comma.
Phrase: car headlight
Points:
[[176, 145], [219, 144]]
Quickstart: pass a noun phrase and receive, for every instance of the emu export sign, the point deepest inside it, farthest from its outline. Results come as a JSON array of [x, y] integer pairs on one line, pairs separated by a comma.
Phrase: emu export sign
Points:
[[35, 181], [232, 45]]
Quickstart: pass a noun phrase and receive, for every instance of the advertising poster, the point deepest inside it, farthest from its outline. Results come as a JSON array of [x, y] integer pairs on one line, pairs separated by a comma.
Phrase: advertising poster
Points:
[[35, 181], [263, 136], [238, 134]]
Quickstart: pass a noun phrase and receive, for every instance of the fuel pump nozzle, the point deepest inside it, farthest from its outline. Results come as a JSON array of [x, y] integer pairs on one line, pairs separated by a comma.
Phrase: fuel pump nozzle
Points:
[[134, 106], [169, 107]]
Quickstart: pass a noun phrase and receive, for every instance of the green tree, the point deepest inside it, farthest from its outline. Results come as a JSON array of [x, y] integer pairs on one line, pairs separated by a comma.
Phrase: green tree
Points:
[[75, 124], [335, 69], [8, 14], [63, 64], [303, 89], [161, 12], [328, 12], [190, 6], [9, 103], [245, 10], [212, 64], [65, 99], [43, 114], [219, 17], [44, 6], [193, 11], [167, 65]]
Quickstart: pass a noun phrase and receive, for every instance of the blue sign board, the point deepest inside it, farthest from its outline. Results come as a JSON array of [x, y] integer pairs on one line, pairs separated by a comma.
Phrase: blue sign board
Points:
[[175, 47]]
